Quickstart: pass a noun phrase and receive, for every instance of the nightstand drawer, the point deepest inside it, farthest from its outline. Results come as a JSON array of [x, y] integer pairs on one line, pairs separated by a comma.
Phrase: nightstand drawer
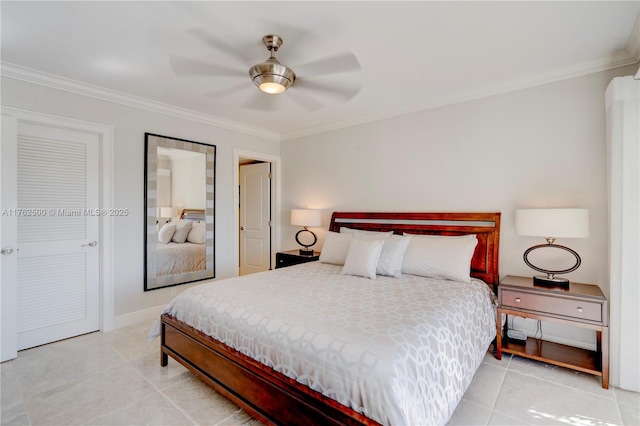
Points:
[[580, 309]]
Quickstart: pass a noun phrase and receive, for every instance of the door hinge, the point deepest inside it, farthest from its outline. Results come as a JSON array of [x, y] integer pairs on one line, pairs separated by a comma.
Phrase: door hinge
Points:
[[270, 175], [269, 223]]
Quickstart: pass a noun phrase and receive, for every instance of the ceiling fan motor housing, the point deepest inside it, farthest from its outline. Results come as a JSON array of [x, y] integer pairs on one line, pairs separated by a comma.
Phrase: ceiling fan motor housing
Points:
[[272, 41], [272, 71], [271, 76]]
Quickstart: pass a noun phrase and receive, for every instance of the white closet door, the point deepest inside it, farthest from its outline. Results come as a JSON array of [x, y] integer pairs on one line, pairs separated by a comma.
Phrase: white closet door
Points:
[[623, 152], [8, 240], [58, 279]]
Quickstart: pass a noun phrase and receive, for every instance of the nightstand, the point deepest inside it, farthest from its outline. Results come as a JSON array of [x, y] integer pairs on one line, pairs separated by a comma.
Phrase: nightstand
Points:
[[580, 305], [293, 257]]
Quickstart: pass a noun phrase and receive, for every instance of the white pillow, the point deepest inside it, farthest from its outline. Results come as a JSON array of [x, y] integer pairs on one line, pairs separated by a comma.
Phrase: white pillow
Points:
[[166, 233], [392, 256], [362, 258], [361, 232], [335, 248], [196, 235], [440, 257], [182, 231]]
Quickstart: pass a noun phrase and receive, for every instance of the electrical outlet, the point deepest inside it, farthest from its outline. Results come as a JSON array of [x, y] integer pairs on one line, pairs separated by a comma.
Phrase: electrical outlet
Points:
[[174, 292]]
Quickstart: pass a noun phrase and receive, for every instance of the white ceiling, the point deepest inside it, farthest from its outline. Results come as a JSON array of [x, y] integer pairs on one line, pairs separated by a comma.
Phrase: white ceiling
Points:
[[413, 55]]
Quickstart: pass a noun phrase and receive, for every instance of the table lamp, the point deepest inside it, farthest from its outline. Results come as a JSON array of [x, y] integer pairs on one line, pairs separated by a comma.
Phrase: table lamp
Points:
[[166, 212], [306, 218], [552, 224]]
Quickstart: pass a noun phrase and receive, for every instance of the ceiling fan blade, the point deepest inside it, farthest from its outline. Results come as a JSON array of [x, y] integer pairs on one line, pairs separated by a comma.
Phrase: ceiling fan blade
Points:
[[343, 93], [229, 90], [343, 62], [262, 101], [220, 45], [186, 66], [302, 99]]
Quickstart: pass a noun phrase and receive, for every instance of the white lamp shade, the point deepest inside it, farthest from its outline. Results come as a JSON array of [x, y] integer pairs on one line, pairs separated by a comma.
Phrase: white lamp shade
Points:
[[306, 217], [166, 212], [553, 223]]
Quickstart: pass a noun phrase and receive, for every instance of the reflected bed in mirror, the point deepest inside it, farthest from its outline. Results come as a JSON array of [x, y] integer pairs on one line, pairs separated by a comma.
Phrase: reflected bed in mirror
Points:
[[179, 206]]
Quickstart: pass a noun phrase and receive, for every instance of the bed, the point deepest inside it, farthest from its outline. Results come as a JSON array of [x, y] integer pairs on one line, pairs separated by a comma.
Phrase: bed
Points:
[[369, 359], [185, 257], [179, 258]]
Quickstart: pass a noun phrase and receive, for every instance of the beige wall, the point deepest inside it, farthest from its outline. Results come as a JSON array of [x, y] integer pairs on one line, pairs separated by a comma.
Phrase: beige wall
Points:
[[188, 183], [538, 147]]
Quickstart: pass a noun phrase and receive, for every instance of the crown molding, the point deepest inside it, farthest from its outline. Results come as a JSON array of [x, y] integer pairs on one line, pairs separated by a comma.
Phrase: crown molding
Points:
[[633, 45], [616, 60], [29, 75], [629, 56]]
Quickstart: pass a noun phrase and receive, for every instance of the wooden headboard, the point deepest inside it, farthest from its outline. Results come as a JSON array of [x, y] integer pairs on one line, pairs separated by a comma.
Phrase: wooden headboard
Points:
[[486, 227], [193, 215]]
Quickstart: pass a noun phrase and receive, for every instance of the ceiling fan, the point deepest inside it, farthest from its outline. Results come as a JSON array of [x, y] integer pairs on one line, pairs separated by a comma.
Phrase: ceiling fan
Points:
[[272, 77]]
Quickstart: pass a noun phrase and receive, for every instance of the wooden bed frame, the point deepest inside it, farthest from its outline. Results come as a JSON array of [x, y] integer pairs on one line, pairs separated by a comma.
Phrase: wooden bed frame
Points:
[[273, 398]]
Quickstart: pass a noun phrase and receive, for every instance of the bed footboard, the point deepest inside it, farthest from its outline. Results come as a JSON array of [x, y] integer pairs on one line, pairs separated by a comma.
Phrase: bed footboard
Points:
[[265, 394]]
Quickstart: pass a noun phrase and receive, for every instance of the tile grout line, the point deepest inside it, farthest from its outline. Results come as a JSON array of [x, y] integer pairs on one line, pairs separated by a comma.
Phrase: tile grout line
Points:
[[151, 384], [21, 397], [126, 362], [229, 416], [615, 395], [165, 396], [22, 400], [170, 400], [495, 402], [83, 377], [567, 386]]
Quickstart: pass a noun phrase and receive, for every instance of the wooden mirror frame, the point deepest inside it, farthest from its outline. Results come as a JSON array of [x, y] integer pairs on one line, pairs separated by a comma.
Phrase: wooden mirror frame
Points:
[[151, 144]]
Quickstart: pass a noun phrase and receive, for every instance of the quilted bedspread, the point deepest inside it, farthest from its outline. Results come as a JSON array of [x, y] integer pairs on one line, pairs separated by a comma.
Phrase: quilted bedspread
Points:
[[400, 351], [173, 258]]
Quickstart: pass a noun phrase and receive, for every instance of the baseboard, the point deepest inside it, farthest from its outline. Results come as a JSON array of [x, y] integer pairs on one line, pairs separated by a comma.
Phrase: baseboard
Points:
[[553, 333], [568, 342], [137, 317]]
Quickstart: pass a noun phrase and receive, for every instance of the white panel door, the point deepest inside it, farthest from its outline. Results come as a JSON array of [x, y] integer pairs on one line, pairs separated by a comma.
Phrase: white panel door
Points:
[[8, 240], [255, 218], [58, 225]]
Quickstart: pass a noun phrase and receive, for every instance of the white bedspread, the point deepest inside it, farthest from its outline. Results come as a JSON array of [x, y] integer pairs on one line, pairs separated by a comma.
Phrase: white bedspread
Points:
[[174, 258], [400, 351]]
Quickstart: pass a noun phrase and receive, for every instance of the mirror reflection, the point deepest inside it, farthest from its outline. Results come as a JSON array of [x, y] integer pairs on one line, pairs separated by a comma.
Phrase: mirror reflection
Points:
[[179, 205]]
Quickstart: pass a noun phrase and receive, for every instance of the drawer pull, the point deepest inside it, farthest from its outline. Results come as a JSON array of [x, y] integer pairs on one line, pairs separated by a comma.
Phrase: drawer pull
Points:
[[518, 299], [579, 309]]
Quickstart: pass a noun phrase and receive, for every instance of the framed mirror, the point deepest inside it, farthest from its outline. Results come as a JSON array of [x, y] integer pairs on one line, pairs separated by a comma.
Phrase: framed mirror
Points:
[[179, 205]]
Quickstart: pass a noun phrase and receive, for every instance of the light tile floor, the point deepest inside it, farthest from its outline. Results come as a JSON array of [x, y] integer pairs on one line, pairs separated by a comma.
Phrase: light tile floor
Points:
[[115, 379]]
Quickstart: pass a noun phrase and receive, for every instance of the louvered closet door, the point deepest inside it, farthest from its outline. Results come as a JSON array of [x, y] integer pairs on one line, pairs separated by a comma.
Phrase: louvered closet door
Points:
[[58, 246]]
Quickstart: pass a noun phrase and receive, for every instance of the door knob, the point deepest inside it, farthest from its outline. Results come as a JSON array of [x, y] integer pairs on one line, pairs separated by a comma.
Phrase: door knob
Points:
[[91, 243], [6, 250], [242, 228]]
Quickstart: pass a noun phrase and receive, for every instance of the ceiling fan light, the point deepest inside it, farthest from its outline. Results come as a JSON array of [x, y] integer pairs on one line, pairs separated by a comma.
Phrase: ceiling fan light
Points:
[[272, 88], [272, 83]]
